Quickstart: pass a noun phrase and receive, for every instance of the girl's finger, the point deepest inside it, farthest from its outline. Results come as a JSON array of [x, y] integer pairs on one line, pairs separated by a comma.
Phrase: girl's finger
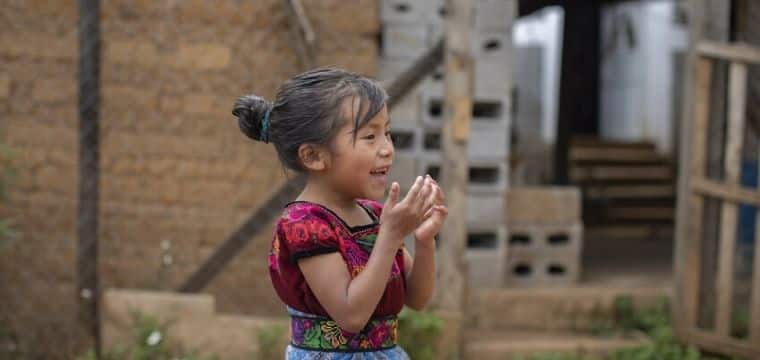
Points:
[[413, 191], [392, 196], [422, 196]]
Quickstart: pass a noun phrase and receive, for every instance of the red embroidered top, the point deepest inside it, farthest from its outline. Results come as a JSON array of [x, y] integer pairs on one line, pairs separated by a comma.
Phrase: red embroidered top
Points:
[[307, 229]]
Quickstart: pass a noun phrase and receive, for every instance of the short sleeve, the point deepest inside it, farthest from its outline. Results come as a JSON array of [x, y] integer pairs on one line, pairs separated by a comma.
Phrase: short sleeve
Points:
[[308, 236]]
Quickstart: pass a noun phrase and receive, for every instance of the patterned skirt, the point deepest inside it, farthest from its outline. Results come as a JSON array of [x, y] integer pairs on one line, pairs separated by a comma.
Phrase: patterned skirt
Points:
[[299, 337]]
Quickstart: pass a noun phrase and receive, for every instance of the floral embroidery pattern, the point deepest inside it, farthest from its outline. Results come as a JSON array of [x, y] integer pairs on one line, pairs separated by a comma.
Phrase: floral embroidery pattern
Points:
[[325, 334]]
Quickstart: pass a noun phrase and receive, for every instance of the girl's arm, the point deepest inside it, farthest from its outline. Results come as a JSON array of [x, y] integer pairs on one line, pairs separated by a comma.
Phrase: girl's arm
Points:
[[351, 302], [420, 271]]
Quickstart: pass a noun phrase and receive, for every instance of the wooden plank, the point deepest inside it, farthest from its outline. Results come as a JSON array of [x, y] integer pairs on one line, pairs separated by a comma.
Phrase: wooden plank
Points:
[[458, 83], [729, 211], [754, 310], [690, 274], [736, 52], [735, 194], [723, 345]]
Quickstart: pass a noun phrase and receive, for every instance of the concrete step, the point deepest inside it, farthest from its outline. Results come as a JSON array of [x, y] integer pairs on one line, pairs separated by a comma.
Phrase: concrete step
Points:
[[553, 309], [518, 344]]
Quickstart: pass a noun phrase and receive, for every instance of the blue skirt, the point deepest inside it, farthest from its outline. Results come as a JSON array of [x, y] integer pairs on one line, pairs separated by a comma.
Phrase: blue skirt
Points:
[[295, 353]]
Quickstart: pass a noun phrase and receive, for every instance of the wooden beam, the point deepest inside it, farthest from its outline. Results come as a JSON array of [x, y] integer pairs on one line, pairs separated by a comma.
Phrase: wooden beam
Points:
[[88, 287], [736, 52], [729, 212], [272, 208], [754, 310], [693, 239], [735, 194], [457, 114], [302, 34]]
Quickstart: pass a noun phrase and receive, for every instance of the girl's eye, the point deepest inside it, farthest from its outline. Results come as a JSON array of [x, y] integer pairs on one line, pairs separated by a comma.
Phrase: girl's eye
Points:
[[370, 137]]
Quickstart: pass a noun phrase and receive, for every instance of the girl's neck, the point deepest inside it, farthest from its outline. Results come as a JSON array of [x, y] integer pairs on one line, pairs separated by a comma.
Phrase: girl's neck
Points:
[[322, 194]]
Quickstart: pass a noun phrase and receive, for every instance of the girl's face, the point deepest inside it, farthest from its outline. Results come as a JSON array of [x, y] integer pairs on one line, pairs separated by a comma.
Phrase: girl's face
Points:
[[359, 168]]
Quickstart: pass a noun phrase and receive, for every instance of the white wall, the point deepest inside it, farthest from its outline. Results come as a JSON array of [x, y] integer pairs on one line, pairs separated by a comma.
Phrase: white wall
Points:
[[544, 29], [636, 78]]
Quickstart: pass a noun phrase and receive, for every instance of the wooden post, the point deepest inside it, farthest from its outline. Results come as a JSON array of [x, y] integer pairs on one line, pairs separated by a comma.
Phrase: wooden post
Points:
[[729, 210], [88, 292], [452, 283], [301, 32]]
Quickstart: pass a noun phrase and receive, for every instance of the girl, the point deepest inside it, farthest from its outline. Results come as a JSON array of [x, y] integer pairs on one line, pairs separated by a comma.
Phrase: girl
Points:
[[337, 259]]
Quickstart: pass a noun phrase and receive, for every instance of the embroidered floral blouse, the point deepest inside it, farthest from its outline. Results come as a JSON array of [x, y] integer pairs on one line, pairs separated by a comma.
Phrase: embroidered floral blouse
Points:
[[308, 229]]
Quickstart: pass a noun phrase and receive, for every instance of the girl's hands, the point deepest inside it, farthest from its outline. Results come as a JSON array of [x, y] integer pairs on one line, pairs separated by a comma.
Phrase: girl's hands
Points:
[[434, 217], [399, 219]]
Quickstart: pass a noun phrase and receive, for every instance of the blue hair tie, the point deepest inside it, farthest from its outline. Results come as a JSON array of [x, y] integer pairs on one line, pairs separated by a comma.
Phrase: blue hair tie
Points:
[[265, 127]]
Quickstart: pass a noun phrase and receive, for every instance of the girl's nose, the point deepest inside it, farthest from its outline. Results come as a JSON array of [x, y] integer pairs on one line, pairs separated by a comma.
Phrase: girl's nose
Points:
[[386, 150]]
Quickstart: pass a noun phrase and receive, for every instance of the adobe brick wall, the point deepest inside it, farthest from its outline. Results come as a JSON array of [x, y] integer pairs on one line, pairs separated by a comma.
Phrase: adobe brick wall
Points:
[[175, 170]]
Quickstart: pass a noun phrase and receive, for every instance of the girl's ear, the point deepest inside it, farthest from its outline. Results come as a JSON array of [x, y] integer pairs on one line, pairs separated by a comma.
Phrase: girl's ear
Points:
[[313, 157]]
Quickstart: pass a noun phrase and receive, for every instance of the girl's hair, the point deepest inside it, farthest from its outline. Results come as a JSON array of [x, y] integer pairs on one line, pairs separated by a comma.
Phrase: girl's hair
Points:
[[308, 109]]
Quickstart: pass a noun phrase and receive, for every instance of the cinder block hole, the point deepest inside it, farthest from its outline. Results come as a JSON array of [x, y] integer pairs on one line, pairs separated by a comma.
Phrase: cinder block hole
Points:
[[484, 174], [522, 270], [434, 171], [402, 7], [482, 240], [519, 240], [438, 75], [402, 140], [432, 141], [443, 11], [486, 109], [480, 109], [559, 239], [556, 269], [491, 45], [436, 108]]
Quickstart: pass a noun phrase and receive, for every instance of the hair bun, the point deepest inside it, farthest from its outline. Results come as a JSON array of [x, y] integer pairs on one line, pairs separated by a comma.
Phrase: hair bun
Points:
[[251, 111]]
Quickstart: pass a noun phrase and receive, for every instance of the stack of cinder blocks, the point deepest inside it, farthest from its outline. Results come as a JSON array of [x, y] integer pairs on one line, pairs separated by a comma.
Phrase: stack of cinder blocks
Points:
[[409, 27], [545, 236]]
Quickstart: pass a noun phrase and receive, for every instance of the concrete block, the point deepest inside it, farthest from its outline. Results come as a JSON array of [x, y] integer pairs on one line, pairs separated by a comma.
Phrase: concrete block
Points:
[[486, 44], [486, 255], [540, 269], [407, 112], [493, 78], [486, 268], [543, 205], [559, 239], [485, 175], [544, 254], [389, 69], [485, 142], [406, 139], [410, 11], [495, 14], [403, 171], [486, 208], [487, 111], [404, 41]]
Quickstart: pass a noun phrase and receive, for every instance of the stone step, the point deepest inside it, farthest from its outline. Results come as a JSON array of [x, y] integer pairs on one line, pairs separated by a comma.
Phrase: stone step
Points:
[[519, 344], [553, 309]]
